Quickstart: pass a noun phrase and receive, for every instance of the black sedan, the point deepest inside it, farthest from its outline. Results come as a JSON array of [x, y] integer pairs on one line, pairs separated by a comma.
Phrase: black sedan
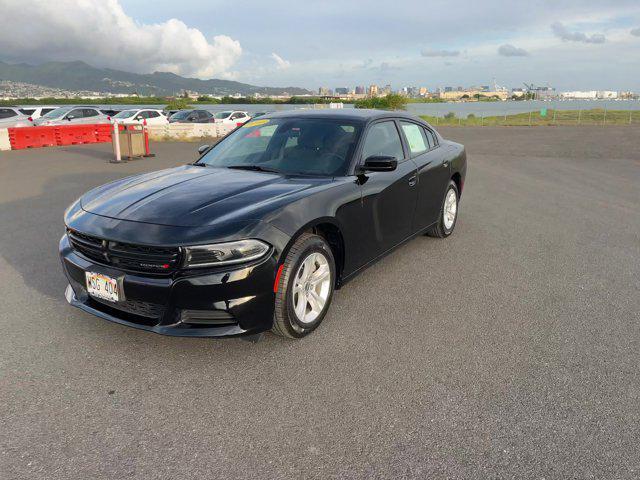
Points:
[[258, 233], [192, 116]]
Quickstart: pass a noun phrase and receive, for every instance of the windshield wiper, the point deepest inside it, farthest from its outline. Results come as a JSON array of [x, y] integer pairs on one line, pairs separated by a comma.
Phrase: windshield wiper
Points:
[[255, 168]]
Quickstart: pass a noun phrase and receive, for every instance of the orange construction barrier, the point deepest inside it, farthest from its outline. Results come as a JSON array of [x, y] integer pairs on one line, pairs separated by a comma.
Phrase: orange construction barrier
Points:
[[30, 137]]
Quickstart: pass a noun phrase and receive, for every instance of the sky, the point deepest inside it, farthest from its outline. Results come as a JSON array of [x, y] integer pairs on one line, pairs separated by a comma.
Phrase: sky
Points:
[[571, 45]]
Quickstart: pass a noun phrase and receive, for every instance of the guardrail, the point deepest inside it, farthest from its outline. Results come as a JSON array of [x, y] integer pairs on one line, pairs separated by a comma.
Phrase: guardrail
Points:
[[189, 131], [542, 117]]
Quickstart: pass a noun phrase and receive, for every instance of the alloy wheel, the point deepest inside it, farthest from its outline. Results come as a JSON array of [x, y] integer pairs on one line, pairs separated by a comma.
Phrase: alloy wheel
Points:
[[311, 287]]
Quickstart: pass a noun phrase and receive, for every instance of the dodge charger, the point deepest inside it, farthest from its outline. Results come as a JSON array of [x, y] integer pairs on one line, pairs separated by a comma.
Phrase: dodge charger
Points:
[[258, 232]]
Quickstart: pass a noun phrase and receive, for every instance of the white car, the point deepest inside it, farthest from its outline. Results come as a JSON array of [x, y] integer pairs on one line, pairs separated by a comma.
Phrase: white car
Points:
[[139, 115], [11, 117], [36, 112], [72, 116], [231, 117]]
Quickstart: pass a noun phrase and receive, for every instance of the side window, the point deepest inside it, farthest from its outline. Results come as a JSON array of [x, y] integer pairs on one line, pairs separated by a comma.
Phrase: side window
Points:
[[7, 113], [151, 114], [203, 115], [27, 111], [90, 112], [77, 113], [46, 110], [383, 140], [416, 138], [433, 142]]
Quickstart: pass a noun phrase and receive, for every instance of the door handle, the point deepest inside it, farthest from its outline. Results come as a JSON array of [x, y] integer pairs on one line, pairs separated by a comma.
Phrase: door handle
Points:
[[413, 180]]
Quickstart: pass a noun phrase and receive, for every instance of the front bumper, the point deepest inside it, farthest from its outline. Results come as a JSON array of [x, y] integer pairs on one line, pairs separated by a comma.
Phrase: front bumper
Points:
[[217, 302]]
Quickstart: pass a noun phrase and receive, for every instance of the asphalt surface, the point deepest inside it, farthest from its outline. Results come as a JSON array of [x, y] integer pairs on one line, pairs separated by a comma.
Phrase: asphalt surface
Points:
[[509, 350]]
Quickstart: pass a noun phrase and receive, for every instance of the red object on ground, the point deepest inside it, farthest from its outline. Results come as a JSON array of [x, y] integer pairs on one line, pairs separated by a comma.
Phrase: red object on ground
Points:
[[32, 137], [146, 140]]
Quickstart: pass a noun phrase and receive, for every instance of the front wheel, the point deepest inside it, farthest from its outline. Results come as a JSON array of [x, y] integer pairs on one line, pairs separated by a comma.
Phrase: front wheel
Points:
[[305, 287], [448, 213]]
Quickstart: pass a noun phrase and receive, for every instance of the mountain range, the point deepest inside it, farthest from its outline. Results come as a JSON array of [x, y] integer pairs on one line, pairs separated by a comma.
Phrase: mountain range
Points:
[[74, 76]]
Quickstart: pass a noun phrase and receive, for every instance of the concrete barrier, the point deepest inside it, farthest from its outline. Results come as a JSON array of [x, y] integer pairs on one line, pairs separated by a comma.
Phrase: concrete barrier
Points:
[[188, 131], [4, 139]]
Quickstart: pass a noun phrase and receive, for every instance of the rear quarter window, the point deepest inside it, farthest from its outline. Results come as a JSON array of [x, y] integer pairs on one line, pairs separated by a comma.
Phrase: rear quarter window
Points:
[[27, 111], [7, 113]]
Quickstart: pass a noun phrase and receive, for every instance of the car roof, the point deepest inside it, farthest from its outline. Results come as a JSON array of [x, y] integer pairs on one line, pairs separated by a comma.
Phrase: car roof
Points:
[[362, 114]]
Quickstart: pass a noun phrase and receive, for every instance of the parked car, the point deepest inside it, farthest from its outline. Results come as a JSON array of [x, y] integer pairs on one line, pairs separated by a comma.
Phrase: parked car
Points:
[[258, 233], [72, 116], [191, 116], [11, 117], [152, 117], [36, 112], [258, 114], [232, 117]]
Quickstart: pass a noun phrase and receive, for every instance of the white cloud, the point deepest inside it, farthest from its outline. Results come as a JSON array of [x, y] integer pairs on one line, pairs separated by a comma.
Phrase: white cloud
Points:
[[281, 62], [429, 52], [636, 32], [508, 50], [101, 33], [564, 33]]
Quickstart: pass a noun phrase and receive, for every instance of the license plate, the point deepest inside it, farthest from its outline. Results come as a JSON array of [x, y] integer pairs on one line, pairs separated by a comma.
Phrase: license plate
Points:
[[102, 286]]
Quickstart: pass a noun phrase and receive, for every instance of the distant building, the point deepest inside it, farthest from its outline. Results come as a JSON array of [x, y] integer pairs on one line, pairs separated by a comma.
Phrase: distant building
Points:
[[448, 89], [589, 95], [373, 90], [423, 91], [341, 90], [325, 91], [471, 93], [360, 90]]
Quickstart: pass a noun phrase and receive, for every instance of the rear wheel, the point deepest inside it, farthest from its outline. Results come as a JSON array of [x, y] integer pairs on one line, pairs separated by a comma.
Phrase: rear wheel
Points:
[[305, 287], [448, 213]]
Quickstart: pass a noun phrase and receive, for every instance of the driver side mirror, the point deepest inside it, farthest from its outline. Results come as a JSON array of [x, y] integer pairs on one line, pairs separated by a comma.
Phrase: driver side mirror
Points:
[[138, 117], [380, 163], [70, 117], [202, 149]]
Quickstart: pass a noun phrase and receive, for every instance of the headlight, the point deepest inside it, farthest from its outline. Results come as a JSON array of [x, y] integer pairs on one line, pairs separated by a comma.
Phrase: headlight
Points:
[[224, 253]]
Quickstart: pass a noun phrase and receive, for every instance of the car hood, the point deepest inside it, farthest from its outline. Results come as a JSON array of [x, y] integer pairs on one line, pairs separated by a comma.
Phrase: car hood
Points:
[[193, 196]]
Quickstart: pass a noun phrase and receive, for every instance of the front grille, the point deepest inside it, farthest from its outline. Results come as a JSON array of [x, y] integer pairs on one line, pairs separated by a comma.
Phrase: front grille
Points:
[[126, 256], [117, 310], [135, 307]]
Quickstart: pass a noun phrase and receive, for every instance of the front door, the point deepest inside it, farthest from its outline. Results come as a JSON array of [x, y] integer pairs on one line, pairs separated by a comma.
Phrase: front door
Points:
[[388, 198]]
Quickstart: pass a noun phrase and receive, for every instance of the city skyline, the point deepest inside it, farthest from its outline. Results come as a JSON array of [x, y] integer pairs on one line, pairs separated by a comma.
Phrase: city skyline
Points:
[[577, 45]]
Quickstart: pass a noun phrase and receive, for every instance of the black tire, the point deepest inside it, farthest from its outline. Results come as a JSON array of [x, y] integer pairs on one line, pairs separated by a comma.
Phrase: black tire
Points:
[[439, 230], [285, 320]]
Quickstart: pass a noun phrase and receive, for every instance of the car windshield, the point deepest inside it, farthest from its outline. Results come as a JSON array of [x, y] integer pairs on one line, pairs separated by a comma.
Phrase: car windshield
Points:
[[222, 115], [181, 115], [126, 114], [295, 146], [58, 112]]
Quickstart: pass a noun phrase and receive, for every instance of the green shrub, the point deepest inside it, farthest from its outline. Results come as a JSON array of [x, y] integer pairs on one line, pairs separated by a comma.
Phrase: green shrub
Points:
[[178, 104], [390, 102]]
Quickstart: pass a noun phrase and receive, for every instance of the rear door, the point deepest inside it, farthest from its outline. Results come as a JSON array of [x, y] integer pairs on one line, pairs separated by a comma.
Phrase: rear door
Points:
[[388, 198], [92, 115], [433, 172]]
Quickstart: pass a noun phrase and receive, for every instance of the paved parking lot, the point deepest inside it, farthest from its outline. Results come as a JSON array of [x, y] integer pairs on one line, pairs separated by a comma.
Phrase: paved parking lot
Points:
[[509, 350]]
